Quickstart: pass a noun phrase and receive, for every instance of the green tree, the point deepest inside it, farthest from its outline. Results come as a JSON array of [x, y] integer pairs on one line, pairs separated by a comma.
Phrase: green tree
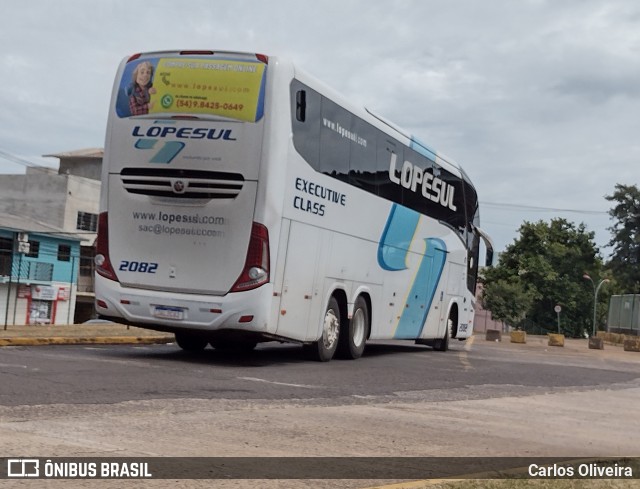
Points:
[[548, 261], [508, 301], [625, 259]]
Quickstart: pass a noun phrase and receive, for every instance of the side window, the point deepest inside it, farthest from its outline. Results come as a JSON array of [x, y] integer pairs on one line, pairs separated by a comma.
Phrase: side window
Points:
[[362, 161], [334, 140], [305, 119], [422, 171], [390, 156], [338, 144], [456, 219]]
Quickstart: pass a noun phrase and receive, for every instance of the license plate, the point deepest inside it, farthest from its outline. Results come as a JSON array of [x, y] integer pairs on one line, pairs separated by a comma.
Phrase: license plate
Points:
[[166, 312]]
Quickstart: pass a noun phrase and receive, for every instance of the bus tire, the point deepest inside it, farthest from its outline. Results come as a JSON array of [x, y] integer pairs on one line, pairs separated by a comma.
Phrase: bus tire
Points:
[[442, 344], [325, 348], [353, 333], [190, 342]]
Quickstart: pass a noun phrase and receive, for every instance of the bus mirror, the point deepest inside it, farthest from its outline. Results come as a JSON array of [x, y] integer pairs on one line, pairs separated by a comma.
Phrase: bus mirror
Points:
[[488, 244], [301, 105], [489, 258]]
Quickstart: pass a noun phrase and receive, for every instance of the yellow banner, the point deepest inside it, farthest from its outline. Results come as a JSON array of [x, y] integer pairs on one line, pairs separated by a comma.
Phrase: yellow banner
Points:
[[233, 89]]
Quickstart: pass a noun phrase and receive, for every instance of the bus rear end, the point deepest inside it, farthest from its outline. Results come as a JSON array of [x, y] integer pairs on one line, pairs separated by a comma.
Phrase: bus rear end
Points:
[[178, 246]]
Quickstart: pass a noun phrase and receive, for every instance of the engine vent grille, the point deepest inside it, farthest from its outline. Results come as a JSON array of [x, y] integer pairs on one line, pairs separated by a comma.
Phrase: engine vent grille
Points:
[[182, 184]]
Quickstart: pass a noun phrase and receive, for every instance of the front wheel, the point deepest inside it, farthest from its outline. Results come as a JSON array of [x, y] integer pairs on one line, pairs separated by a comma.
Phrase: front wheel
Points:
[[353, 336], [442, 344], [324, 349]]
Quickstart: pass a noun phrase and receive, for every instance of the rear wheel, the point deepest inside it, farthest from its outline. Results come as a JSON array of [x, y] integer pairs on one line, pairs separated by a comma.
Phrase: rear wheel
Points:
[[353, 335], [191, 342], [324, 349]]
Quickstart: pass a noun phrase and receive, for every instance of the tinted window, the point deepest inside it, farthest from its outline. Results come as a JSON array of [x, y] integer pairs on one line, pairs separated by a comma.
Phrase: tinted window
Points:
[[362, 161], [335, 142], [306, 134], [388, 149]]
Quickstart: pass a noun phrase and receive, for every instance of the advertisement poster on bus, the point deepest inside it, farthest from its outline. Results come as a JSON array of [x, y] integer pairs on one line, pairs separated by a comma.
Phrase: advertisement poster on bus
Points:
[[196, 86]]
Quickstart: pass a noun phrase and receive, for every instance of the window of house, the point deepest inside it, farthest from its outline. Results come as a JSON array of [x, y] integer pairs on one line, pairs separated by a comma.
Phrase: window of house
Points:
[[87, 221], [64, 252], [6, 246], [34, 249]]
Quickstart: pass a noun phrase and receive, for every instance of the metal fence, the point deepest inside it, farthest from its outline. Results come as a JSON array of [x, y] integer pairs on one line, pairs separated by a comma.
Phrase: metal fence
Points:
[[624, 314]]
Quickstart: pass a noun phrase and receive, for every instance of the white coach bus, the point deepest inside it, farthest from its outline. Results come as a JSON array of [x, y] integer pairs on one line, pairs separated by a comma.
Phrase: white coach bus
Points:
[[243, 201]]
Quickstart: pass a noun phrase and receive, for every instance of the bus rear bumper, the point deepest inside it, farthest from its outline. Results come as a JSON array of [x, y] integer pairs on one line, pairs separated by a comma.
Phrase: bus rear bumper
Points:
[[172, 311]]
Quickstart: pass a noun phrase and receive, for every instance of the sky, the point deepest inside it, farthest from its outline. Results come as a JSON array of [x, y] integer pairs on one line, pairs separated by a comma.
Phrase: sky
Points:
[[538, 101]]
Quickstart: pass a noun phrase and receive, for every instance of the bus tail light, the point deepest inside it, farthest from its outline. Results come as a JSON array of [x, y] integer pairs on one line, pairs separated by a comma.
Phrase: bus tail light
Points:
[[102, 261], [256, 268]]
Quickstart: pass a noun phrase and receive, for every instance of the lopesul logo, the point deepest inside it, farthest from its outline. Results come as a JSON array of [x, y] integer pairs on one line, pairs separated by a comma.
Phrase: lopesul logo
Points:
[[148, 139]]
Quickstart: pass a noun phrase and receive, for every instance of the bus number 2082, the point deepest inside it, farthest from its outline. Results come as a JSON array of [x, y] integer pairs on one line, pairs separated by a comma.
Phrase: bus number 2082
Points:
[[138, 266]]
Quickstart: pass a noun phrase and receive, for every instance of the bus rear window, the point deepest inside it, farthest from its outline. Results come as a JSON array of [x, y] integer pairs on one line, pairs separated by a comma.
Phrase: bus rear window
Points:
[[203, 86]]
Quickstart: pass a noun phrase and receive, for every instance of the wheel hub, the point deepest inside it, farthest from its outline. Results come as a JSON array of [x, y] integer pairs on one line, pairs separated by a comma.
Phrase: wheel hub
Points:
[[331, 329]]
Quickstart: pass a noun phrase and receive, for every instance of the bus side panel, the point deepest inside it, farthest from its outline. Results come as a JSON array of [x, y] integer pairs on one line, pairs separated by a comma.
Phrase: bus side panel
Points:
[[300, 285], [280, 254]]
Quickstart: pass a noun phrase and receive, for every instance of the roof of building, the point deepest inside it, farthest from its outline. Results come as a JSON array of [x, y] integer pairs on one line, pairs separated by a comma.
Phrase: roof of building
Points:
[[96, 153], [26, 224]]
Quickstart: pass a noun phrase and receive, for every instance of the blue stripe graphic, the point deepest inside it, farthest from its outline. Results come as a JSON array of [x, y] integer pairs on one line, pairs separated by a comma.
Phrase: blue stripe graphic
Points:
[[423, 290], [396, 238], [393, 251]]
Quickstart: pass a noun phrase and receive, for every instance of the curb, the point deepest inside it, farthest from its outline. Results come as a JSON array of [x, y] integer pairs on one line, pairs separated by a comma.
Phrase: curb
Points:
[[101, 340]]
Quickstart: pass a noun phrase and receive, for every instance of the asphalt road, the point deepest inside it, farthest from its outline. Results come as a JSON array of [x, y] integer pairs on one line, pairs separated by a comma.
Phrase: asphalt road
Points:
[[481, 399], [110, 374]]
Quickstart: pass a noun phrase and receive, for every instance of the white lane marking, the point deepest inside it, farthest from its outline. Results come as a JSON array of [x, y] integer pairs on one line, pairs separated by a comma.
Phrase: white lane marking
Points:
[[302, 386], [13, 365]]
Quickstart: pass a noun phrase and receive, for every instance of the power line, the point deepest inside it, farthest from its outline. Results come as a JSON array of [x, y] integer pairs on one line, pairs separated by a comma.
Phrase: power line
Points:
[[542, 209], [21, 161]]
